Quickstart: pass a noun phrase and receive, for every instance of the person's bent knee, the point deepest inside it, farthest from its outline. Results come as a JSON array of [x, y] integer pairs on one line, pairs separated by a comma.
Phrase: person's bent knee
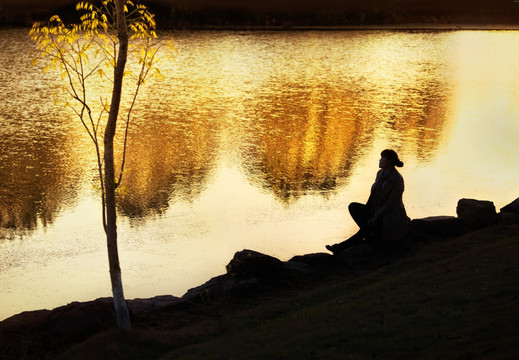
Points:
[[355, 205]]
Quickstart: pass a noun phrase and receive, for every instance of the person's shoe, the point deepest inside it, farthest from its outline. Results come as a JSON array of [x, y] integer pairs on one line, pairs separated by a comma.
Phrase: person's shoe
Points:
[[372, 240], [331, 248]]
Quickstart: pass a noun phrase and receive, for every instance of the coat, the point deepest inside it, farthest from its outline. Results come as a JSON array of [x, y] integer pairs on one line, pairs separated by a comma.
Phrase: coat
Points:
[[386, 205]]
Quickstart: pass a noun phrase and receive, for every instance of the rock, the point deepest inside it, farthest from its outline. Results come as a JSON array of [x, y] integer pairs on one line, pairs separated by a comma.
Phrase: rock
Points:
[[296, 267], [476, 214], [355, 252], [249, 264], [438, 226], [509, 218], [27, 321], [314, 260], [51, 330], [513, 207], [218, 286], [82, 318], [137, 306]]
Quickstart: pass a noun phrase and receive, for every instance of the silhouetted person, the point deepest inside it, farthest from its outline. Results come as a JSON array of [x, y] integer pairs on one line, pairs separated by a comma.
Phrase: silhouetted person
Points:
[[383, 217]]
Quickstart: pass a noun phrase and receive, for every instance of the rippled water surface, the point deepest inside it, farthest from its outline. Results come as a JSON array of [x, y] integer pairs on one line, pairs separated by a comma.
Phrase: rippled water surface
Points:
[[254, 140]]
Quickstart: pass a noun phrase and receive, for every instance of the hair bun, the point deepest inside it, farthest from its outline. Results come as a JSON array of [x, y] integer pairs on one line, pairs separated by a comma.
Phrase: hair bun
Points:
[[392, 156]]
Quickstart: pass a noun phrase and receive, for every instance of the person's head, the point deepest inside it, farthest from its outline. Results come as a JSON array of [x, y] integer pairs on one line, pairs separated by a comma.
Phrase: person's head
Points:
[[389, 158]]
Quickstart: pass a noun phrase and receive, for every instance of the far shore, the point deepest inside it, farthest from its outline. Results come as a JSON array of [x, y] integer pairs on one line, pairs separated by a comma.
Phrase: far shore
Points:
[[403, 26], [164, 25], [395, 27]]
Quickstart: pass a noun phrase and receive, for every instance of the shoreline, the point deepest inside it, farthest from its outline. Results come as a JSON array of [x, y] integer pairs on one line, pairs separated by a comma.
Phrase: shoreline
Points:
[[253, 278], [482, 214], [282, 28], [375, 27]]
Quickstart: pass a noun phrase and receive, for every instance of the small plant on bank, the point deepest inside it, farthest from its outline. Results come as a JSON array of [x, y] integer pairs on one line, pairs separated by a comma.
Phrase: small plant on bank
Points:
[[91, 58]]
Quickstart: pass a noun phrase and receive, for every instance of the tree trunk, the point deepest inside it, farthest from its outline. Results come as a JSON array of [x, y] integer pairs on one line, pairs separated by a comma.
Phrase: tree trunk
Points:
[[121, 310]]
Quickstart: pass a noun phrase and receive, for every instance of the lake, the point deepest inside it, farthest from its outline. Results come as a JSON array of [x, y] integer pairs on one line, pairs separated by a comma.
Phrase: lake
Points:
[[254, 140]]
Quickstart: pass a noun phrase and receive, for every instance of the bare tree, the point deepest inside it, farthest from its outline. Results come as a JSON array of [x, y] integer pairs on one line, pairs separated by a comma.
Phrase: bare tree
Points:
[[104, 39]]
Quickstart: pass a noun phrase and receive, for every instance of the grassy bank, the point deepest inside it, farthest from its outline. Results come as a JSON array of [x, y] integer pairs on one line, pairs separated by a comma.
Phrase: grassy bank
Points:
[[448, 298]]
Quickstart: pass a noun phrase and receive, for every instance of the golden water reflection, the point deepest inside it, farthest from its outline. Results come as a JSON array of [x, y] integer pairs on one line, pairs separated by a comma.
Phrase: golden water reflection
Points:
[[40, 171], [168, 160], [297, 111], [309, 139]]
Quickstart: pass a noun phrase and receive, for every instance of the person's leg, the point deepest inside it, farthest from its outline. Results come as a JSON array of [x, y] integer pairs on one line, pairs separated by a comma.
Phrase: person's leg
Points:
[[353, 240], [360, 214], [374, 234]]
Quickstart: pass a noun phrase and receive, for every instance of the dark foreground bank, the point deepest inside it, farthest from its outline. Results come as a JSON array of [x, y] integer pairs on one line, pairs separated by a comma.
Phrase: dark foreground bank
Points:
[[450, 291]]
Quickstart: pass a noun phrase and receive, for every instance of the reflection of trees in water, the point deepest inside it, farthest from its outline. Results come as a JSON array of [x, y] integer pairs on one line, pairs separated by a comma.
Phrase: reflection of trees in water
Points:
[[300, 140], [298, 130], [427, 124], [307, 140], [40, 165], [414, 118], [38, 172], [311, 138], [167, 159]]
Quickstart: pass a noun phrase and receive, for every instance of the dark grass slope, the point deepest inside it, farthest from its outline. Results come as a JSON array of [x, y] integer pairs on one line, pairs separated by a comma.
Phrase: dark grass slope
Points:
[[446, 299]]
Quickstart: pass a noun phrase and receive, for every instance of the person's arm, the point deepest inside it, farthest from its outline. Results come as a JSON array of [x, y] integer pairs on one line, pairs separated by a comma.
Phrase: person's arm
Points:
[[393, 199], [368, 203]]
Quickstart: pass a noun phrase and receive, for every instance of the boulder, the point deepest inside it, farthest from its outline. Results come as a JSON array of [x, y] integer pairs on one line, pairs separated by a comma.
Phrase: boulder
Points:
[[217, 286], [477, 214], [296, 267], [252, 264], [314, 260], [513, 207], [137, 306], [438, 226], [356, 253], [51, 330], [509, 218]]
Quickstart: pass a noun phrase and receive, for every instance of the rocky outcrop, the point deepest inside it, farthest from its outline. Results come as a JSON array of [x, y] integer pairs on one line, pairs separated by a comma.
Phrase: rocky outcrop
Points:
[[509, 214], [477, 214], [47, 330], [218, 286], [316, 260], [246, 271], [439, 226], [472, 215], [137, 306], [513, 207], [249, 263], [250, 269]]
